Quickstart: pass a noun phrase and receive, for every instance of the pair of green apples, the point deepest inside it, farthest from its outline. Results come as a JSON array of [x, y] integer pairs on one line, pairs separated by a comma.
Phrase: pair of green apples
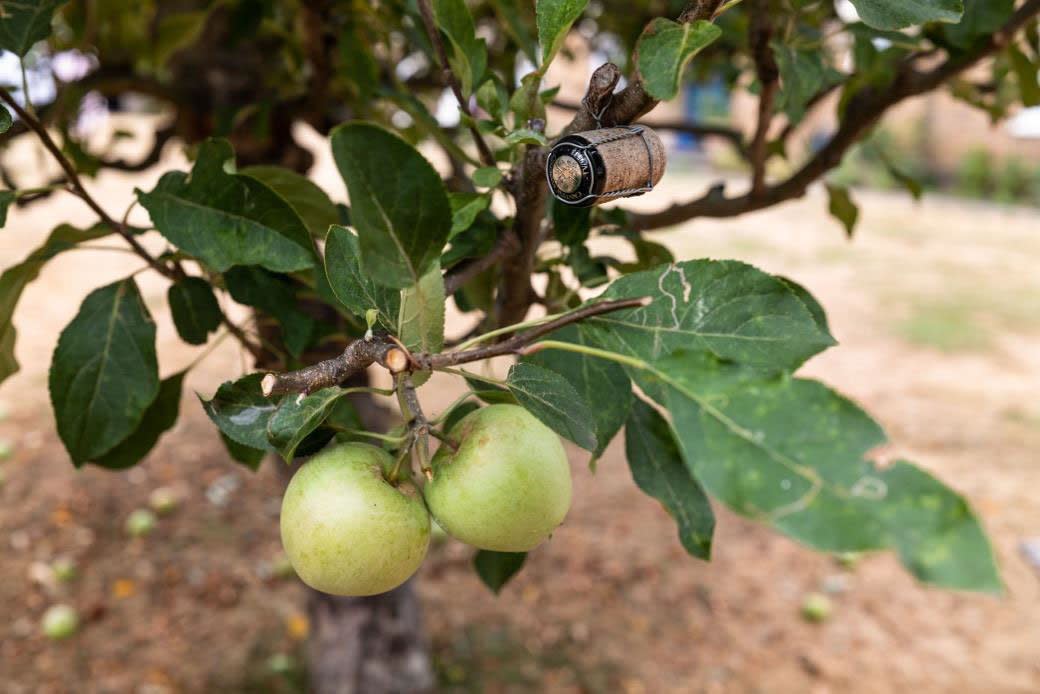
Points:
[[347, 530]]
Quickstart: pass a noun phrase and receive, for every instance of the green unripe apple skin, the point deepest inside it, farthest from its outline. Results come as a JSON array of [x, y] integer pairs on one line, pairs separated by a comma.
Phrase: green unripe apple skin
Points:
[[60, 622], [140, 522], [346, 530], [507, 487]]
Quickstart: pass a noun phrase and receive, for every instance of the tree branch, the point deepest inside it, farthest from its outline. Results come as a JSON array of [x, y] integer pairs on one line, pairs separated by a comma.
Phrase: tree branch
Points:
[[760, 34], [862, 112], [358, 356], [731, 135], [633, 101], [387, 352], [506, 245], [514, 344], [76, 185], [486, 156]]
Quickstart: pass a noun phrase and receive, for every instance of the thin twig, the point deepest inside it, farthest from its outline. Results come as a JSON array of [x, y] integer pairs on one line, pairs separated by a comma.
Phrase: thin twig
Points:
[[760, 34], [359, 355], [77, 185], [516, 343], [434, 33]]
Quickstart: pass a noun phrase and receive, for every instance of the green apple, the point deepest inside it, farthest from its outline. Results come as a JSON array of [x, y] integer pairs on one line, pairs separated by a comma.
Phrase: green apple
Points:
[[816, 608], [505, 486], [64, 569], [163, 500], [60, 622], [140, 522], [349, 531]]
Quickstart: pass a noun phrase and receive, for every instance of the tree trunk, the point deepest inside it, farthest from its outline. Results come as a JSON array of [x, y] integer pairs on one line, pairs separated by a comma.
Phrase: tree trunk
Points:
[[371, 645]]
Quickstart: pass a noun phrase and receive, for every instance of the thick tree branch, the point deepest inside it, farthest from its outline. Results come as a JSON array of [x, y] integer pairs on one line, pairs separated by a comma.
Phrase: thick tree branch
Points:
[[486, 156], [862, 112], [530, 192]]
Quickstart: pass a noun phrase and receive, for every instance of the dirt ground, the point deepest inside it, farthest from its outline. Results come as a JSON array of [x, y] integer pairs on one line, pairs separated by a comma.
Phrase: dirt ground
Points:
[[937, 309]]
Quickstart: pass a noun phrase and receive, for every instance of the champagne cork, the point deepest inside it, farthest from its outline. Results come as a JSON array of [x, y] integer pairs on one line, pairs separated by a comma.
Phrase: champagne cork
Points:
[[595, 166]]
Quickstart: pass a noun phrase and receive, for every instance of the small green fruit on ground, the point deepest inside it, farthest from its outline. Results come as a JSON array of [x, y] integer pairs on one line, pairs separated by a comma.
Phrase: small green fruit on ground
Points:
[[346, 529], [506, 487], [163, 500], [140, 522], [60, 622], [6, 449], [816, 608], [64, 570]]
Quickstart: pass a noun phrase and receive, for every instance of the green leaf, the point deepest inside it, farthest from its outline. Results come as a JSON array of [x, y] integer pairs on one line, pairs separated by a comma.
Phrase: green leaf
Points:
[[600, 383], [241, 412], [274, 295], [842, 207], [810, 302], [17, 277], [912, 185], [658, 469], [497, 568], [516, 26], [553, 400], [981, 18], [421, 319], [1027, 73], [398, 203], [160, 416], [5, 120], [351, 284], [487, 177], [733, 310], [25, 22], [469, 54], [195, 310], [897, 14], [490, 393], [803, 74], [226, 219], [309, 201], [178, 31], [554, 19], [523, 136], [7, 197], [570, 224], [789, 452], [457, 413], [250, 457], [104, 372], [524, 103], [665, 47], [464, 210], [296, 417]]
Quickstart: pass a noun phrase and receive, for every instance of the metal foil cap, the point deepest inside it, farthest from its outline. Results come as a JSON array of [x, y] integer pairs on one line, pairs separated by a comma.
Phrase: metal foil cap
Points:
[[594, 166]]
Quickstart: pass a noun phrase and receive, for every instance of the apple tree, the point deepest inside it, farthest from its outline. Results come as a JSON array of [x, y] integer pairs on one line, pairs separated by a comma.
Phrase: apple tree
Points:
[[694, 359]]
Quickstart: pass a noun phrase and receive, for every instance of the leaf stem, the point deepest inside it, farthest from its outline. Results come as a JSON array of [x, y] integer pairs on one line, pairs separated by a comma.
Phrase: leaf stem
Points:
[[373, 435]]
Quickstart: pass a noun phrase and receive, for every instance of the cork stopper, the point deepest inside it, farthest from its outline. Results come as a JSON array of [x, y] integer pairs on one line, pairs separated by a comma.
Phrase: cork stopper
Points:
[[594, 166], [566, 174]]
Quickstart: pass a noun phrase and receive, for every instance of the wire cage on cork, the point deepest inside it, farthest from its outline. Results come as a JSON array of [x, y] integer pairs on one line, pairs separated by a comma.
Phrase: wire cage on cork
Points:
[[592, 167]]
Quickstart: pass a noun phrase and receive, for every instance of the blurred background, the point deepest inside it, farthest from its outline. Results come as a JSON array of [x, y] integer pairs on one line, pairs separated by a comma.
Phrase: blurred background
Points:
[[935, 303]]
